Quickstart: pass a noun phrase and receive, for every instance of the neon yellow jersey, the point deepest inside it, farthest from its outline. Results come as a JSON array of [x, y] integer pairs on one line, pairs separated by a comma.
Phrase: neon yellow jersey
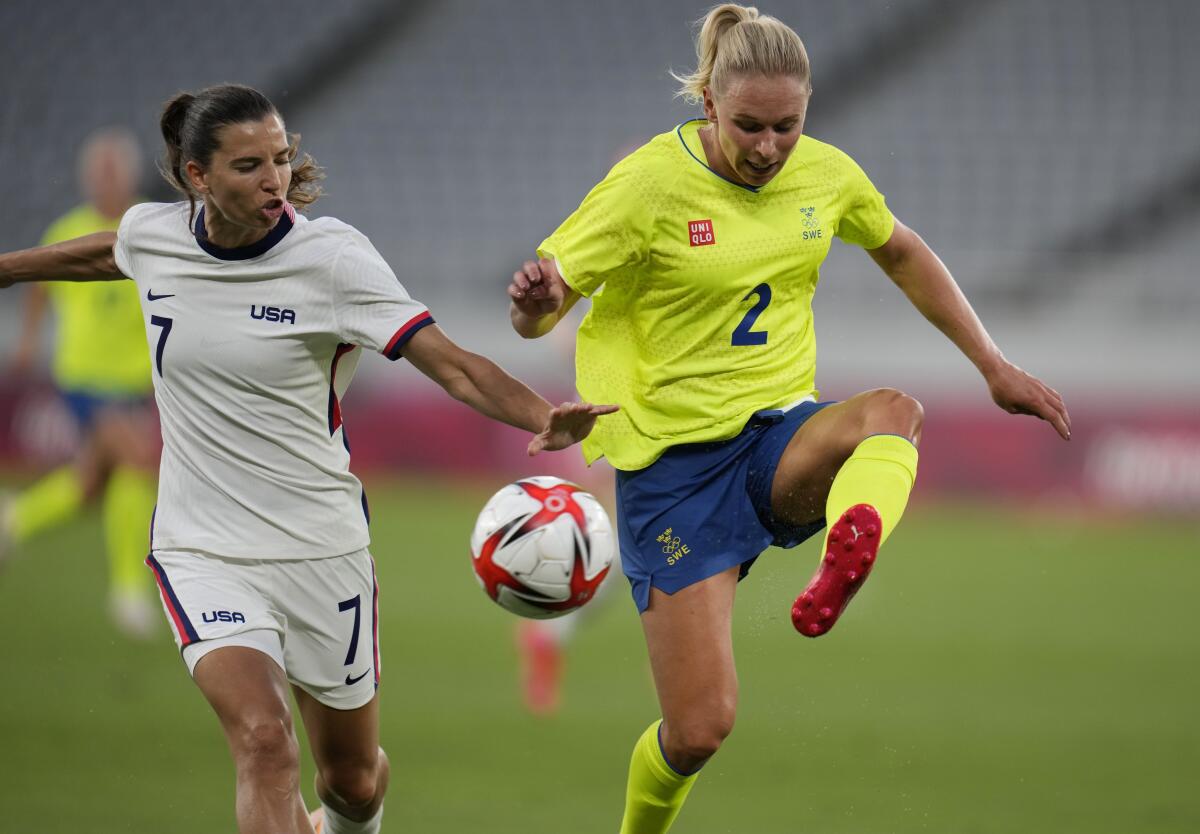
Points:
[[101, 339], [701, 288]]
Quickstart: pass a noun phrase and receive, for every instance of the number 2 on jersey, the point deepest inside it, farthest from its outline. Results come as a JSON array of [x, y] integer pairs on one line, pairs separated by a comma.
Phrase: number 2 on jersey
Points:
[[742, 334], [165, 323]]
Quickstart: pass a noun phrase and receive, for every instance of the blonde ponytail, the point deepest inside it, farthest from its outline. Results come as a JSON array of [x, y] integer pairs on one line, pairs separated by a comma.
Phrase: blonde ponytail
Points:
[[737, 40]]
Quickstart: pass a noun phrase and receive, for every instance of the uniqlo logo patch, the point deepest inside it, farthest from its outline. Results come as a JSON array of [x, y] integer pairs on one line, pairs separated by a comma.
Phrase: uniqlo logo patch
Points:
[[700, 233]]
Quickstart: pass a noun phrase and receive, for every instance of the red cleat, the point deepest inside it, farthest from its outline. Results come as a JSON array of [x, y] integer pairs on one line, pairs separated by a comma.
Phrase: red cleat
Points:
[[850, 552], [541, 667]]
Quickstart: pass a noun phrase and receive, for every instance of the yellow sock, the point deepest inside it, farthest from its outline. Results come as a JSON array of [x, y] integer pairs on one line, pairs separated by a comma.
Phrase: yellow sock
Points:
[[49, 502], [880, 472], [128, 504], [655, 791]]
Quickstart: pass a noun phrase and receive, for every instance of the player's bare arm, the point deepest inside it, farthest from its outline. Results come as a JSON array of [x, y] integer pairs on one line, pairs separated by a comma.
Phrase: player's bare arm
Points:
[[540, 298], [87, 258], [924, 279], [493, 392]]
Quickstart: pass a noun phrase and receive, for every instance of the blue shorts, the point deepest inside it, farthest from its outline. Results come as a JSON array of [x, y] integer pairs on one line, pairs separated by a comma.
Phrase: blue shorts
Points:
[[86, 406], [702, 508]]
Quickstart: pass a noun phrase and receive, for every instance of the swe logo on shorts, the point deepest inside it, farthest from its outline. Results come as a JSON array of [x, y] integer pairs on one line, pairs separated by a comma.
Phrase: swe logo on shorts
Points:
[[673, 546], [700, 233]]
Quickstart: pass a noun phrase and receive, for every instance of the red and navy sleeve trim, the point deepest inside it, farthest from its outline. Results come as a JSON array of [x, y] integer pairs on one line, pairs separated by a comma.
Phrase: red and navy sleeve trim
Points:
[[335, 406], [396, 344]]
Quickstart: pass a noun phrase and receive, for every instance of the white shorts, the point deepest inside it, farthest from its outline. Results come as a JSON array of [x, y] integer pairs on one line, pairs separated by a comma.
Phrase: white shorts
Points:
[[317, 618]]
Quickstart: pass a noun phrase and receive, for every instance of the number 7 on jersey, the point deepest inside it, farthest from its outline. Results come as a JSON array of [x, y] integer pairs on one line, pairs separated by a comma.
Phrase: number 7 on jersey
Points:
[[165, 323]]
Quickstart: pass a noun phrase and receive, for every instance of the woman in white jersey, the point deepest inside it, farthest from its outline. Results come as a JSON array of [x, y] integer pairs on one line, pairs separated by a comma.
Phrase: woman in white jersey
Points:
[[255, 319], [700, 252]]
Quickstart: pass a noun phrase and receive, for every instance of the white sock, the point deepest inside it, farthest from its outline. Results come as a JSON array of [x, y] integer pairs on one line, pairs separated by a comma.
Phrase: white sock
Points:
[[335, 823]]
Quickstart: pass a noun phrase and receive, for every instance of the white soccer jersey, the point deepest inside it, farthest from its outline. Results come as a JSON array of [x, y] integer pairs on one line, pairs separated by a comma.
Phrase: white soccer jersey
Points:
[[252, 349]]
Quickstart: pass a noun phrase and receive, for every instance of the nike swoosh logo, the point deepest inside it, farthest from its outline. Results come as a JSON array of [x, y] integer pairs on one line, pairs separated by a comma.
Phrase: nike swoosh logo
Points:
[[351, 681], [150, 296]]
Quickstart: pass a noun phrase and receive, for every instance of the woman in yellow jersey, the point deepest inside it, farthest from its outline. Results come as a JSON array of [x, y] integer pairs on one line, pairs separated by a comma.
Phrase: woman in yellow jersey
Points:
[[700, 252], [101, 367]]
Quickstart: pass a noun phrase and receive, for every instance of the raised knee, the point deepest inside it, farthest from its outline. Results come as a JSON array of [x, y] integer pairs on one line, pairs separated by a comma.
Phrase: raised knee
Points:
[[699, 740], [355, 784], [267, 745], [893, 412]]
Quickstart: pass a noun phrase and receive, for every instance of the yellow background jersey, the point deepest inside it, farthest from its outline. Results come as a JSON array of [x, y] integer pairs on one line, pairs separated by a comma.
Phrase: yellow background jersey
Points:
[[101, 340], [701, 288]]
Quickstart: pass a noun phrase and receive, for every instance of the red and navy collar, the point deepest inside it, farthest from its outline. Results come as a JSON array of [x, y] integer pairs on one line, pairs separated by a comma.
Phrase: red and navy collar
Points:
[[241, 253]]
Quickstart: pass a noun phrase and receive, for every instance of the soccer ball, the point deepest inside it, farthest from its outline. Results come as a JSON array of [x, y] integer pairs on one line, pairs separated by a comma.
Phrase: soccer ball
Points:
[[541, 547]]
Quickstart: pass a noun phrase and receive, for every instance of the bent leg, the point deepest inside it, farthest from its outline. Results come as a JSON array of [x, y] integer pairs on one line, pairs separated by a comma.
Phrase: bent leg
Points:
[[59, 496], [49, 502], [248, 691], [821, 447], [352, 769], [858, 460], [688, 637]]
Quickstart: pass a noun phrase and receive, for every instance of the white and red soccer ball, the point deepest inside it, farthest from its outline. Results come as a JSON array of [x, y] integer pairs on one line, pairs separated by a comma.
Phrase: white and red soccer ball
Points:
[[542, 547]]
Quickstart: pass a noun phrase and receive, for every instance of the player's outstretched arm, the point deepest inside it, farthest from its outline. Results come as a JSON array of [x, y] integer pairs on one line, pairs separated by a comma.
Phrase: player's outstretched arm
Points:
[[922, 276], [489, 389], [540, 298], [87, 258]]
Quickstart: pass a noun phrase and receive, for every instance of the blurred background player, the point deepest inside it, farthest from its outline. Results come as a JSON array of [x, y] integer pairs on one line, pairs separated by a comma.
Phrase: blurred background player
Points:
[[102, 370], [542, 644], [701, 252]]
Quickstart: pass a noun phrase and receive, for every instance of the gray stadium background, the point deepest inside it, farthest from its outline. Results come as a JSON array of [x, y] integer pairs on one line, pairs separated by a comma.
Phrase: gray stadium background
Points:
[[1049, 151]]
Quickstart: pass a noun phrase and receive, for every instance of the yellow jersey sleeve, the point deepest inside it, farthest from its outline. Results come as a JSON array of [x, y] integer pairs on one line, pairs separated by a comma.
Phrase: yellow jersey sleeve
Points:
[[609, 233], [865, 218]]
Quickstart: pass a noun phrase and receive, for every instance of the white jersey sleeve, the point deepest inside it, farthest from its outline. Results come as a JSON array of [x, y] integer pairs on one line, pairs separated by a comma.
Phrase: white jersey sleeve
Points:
[[371, 308], [121, 249]]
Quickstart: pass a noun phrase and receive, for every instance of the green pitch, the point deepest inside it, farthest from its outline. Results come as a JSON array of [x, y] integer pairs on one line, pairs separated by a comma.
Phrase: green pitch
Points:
[[1001, 672]]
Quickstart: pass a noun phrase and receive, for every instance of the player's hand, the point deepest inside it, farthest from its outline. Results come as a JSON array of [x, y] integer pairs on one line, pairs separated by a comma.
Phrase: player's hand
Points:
[[567, 425], [537, 289], [1018, 392]]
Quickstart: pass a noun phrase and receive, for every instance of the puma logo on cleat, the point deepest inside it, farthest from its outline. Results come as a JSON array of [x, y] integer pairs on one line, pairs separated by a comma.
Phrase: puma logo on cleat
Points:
[[845, 566]]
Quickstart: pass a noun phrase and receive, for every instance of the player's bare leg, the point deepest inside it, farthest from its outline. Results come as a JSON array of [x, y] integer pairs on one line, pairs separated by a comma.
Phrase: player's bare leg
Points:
[[867, 446], [249, 693], [689, 640], [352, 769]]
